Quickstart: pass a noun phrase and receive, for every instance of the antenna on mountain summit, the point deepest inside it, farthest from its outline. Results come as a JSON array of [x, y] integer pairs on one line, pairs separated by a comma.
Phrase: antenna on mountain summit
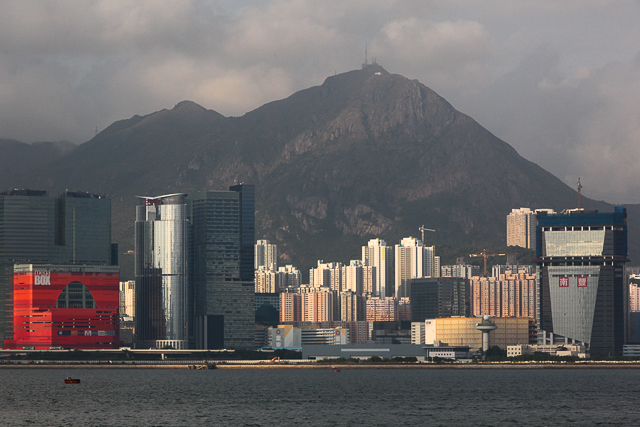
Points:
[[366, 60]]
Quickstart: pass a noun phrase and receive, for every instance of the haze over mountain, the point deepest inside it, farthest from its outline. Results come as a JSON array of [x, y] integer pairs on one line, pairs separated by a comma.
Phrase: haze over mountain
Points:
[[366, 154]]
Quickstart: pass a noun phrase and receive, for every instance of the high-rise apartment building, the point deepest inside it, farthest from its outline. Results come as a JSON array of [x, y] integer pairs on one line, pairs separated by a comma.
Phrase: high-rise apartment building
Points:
[[382, 309], [352, 307], [223, 268], [412, 259], [326, 274], [521, 228], [163, 306], [266, 255], [510, 294], [74, 228], [266, 281], [634, 298], [288, 276], [290, 307], [582, 292], [377, 254], [128, 298], [464, 271]]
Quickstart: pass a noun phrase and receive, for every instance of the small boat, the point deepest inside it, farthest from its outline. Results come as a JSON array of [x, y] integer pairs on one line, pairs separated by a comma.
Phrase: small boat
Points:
[[70, 380], [336, 370]]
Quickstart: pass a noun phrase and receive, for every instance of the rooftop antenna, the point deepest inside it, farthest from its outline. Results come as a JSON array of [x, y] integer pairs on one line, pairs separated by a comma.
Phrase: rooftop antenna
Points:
[[366, 58], [579, 188]]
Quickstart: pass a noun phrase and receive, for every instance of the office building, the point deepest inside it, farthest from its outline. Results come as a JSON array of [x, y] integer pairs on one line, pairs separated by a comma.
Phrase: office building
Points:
[[462, 331], [412, 259], [434, 297], [266, 255], [161, 272], [223, 268], [509, 294], [74, 228], [65, 307], [377, 254], [582, 288]]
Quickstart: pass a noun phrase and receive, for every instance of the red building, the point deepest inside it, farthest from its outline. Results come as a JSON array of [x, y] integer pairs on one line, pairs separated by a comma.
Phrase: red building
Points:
[[65, 307]]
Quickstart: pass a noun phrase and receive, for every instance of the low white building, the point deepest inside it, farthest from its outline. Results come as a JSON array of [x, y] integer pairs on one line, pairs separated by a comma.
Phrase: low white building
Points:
[[574, 350]]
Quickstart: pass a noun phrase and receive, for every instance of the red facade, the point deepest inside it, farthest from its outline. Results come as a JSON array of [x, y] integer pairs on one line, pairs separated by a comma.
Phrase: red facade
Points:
[[65, 307]]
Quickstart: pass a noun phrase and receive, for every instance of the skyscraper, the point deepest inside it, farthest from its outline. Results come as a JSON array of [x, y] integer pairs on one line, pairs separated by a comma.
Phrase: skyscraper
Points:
[[161, 270], [74, 228], [582, 292], [380, 256], [413, 260], [223, 268]]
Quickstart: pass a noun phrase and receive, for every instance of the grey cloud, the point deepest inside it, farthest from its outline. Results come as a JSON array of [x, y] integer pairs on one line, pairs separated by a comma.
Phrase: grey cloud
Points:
[[554, 79]]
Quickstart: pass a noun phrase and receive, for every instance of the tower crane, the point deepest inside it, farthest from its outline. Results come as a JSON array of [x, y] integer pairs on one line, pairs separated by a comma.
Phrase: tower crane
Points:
[[422, 229], [485, 255]]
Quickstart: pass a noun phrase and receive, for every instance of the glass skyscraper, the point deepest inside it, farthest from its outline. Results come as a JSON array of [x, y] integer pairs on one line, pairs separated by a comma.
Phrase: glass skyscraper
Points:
[[581, 280], [222, 256], [74, 228], [161, 270]]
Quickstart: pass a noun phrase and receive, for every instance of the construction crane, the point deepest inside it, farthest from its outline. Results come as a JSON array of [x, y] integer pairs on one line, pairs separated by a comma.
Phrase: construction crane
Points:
[[422, 229], [485, 255]]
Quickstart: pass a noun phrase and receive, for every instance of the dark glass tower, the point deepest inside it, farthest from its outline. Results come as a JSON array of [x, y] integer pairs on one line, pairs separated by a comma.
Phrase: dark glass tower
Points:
[[582, 290], [223, 236], [74, 228], [434, 297]]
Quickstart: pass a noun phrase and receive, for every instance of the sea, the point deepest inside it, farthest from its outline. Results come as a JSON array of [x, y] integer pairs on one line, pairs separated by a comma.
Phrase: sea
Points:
[[312, 397]]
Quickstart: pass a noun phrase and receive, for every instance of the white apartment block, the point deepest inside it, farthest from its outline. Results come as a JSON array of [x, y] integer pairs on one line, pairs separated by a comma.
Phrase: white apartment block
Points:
[[377, 254], [412, 259], [266, 255]]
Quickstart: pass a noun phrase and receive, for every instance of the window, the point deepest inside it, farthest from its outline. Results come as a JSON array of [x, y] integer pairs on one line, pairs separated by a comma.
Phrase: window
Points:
[[75, 295]]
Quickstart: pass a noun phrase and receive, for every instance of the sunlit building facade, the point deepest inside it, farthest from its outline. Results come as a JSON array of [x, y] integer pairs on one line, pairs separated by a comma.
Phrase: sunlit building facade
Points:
[[161, 272], [582, 283]]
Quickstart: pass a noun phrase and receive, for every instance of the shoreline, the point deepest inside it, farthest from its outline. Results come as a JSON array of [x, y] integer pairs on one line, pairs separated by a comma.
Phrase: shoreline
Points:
[[331, 366]]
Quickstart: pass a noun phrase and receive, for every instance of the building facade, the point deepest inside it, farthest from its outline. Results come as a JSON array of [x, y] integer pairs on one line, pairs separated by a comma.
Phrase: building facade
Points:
[[161, 272], [74, 228], [223, 268], [65, 307], [377, 254], [266, 255], [412, 259], [462, 331], [521, 228], [439, 297], [582, 287], [509, 294]]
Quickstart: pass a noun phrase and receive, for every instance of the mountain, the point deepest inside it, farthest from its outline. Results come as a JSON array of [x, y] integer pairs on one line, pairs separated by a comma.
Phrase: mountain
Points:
[[18, 157], [366, 154]]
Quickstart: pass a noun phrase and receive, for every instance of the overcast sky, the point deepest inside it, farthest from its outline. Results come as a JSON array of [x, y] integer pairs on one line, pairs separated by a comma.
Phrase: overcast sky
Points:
[[558, 80]]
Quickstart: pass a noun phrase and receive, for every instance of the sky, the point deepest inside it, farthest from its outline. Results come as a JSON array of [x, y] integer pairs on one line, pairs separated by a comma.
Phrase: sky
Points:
[[557, 80]]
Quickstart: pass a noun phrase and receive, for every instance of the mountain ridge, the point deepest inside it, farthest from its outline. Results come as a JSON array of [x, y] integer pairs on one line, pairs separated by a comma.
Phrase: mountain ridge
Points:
[[366, 154]]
